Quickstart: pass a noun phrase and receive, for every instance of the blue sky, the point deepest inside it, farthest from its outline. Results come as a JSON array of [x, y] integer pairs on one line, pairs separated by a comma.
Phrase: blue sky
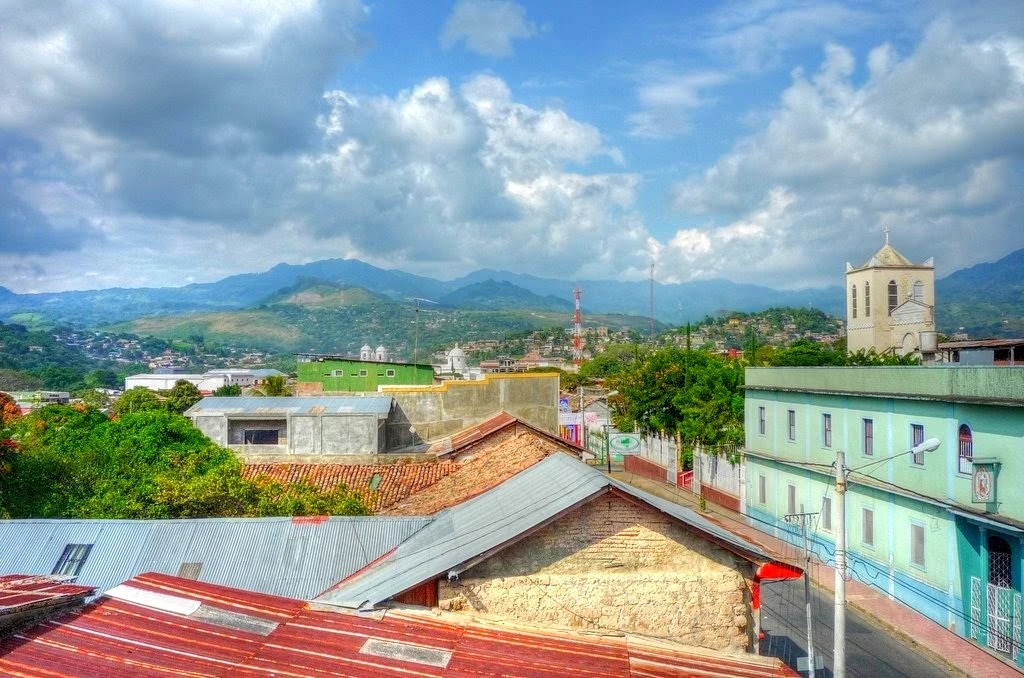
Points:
[[165, 142]]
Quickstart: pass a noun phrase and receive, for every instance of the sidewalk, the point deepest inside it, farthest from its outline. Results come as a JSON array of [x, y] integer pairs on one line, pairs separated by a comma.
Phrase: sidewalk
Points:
[[918, 631]]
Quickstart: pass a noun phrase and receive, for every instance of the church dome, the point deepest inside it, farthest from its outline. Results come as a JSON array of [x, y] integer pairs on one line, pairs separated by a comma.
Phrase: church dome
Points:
[[456, 353]]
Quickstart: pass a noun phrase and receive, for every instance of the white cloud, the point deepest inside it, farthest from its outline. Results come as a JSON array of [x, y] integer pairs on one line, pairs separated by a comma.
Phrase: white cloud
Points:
[[667, 98], [929, 145], [448, 178], [752, 36], [487, 26]]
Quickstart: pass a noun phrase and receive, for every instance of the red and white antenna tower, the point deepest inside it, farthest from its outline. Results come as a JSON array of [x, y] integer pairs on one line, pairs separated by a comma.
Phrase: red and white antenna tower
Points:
[[577, 330]]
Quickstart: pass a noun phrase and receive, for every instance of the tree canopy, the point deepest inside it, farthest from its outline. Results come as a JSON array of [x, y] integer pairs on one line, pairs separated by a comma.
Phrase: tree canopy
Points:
[[690, 394], [73, 462], [183, 395], [135, 400]]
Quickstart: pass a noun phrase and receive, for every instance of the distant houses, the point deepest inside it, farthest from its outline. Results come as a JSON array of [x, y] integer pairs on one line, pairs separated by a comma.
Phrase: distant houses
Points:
[[207, 382]]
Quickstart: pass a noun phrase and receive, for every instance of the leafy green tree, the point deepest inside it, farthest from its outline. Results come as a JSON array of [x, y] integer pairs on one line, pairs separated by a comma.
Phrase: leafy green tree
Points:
[[102, 379], [228, 390], [76, 463], [183, 395], [273, 386], [95, 399], [60, 378], [134, 400], [694, 395], [13, 380], [612, 361]]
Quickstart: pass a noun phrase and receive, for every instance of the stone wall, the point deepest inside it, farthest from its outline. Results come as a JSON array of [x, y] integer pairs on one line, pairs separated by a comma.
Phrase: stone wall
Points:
[[616, 565]]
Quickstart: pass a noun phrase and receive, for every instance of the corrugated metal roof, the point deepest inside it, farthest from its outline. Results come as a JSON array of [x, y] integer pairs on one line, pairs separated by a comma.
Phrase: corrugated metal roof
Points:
[[285, 405], [496, 517], [981, 343], [293, 557], [204, 630], [20, 591]]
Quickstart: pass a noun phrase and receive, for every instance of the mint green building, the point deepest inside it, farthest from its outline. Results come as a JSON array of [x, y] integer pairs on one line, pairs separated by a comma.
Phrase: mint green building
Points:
[[943, 531], [341, 374]]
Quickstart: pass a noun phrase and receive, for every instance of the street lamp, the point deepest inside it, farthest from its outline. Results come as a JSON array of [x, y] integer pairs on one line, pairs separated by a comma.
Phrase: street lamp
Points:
[[839, 623]]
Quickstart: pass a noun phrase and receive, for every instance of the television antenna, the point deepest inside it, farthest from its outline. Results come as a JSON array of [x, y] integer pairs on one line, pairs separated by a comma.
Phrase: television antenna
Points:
[[416, 342]]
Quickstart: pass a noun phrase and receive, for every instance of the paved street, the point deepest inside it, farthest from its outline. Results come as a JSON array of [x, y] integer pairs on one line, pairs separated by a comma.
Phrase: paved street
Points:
[[871, 651]]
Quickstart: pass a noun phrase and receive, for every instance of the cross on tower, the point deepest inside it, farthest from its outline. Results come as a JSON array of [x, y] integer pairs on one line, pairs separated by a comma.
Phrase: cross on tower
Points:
[[886, 231]]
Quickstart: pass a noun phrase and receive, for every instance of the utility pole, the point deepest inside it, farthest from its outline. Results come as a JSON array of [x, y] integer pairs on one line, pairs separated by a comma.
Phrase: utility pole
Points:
[[607, 447], [839, 625], [839, 622], [583, 420], [804, 519]]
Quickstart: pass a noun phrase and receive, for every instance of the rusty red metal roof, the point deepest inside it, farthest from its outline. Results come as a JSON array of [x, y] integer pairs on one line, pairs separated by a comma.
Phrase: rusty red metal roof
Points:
[[21, 590], [158, 625]]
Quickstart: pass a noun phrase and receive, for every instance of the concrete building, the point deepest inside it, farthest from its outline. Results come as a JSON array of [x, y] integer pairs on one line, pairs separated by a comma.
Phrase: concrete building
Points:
[[1000, 352], [295, 426], [207, 382], [326, 373], [941, 532], [890, 304]]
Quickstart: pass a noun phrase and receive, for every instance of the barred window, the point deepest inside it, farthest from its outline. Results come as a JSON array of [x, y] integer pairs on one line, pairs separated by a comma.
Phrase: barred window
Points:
[[966, 449]]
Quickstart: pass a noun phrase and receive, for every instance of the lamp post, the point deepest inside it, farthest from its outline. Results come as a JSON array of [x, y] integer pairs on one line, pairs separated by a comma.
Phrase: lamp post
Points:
[[839, 622]]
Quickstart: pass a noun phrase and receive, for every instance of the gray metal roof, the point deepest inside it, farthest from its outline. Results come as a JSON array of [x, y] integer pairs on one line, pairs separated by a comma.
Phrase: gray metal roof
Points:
[[498, 517], [297, 558], [285, 405]]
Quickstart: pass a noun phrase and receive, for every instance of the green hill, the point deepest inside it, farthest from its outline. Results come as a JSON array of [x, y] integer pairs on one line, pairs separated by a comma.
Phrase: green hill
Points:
[[319, 317]]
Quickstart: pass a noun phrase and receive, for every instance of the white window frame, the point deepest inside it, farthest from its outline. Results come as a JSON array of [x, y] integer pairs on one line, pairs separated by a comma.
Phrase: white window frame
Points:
[[826, 514], [917, 459], [916, 549], [867, 437], [791, 498], [761, 419], [762, 489], [791, 425], [867, 526], [826, 429]]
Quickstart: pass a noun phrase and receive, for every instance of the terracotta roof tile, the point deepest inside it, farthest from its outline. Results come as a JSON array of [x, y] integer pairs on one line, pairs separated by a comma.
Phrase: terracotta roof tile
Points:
[[488, 469], [397, 481]]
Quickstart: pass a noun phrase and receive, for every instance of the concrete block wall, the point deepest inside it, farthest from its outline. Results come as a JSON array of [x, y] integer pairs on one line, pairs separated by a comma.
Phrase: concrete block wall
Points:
[[438, 411], [615, 565]]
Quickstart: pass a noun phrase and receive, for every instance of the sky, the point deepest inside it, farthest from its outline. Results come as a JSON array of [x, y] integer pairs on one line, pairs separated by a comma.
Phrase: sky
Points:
[[165, 142]]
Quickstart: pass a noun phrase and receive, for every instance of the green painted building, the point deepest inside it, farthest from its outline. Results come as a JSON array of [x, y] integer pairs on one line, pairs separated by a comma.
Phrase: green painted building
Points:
[[342, 374], [942, 531]]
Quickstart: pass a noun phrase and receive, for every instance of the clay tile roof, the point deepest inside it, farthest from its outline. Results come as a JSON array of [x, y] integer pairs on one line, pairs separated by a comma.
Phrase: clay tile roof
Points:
[[487, 470], [396, 481]]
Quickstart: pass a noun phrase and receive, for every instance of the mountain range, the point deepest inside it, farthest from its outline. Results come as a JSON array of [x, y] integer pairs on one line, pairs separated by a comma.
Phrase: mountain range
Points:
[[985, 300]]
